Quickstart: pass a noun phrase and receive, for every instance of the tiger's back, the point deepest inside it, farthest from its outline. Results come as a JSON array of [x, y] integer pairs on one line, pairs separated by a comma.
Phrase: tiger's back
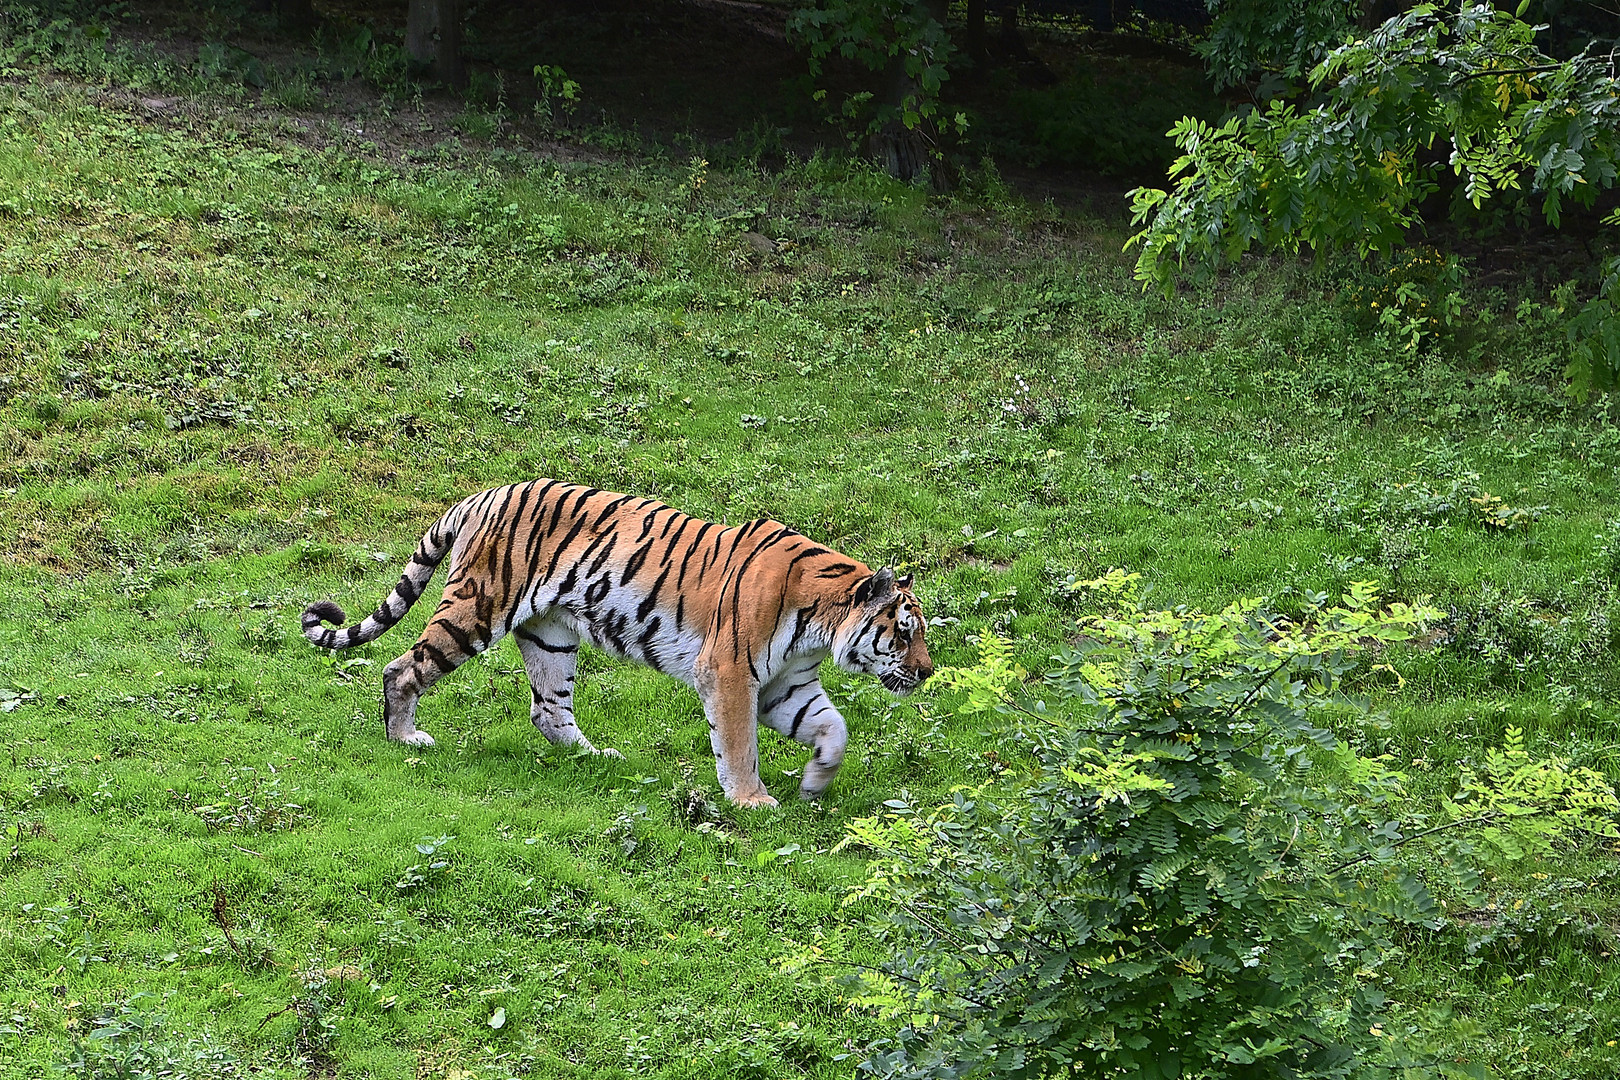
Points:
[[744, 614]]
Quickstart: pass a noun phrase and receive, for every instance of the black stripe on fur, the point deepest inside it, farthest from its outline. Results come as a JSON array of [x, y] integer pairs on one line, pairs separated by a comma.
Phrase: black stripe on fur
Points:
[[323, 611]]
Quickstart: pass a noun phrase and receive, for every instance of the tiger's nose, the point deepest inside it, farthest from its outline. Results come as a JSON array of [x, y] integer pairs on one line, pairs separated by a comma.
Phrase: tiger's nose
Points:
[[924, 672]]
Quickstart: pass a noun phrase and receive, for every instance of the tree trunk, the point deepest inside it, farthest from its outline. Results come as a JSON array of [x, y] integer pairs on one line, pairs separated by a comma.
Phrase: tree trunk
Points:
[[903, 151], [433, 40], [975, 33]]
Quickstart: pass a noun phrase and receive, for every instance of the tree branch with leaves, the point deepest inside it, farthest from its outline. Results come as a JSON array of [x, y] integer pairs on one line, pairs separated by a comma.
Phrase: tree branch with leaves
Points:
[[905, 43], [1430, 92]]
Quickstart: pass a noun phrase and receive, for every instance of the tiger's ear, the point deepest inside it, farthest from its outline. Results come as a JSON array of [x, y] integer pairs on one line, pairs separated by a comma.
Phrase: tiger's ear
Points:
[[877, 588], [903, 583]]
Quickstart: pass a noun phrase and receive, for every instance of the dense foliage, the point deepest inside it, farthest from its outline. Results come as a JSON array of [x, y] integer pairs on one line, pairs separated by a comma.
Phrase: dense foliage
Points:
[[1431, 96], [1199, 878], [1276, 43], [882, 35]]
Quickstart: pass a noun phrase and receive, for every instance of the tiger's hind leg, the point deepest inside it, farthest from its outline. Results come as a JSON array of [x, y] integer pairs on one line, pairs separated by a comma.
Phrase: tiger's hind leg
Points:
[[797, 706], [461, 629], [550, 656]]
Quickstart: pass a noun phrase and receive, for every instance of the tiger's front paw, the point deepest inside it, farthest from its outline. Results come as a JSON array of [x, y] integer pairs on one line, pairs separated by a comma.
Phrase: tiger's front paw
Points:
[[416, 738], [608, 751], [755, 798]]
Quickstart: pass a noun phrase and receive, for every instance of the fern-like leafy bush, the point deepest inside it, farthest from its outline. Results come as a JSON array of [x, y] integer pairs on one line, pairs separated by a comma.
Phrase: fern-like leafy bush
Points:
[[1197, 878]]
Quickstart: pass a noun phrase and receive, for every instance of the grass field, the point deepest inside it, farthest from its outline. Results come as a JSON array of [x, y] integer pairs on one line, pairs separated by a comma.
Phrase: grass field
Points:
[[242, 367]]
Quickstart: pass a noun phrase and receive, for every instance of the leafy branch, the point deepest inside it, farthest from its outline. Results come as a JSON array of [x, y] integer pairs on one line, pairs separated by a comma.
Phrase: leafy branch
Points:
[[1465, 91]]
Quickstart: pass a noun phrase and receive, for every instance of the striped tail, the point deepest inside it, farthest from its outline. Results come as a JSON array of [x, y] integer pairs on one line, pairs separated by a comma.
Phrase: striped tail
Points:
[[429, 553]]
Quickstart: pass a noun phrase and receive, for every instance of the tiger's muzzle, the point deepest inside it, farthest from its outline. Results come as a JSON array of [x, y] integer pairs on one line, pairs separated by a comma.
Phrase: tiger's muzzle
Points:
[[905, 680]]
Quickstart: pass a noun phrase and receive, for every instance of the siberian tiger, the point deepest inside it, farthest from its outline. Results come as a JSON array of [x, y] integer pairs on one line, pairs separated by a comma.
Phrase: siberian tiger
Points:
[[744, 615]]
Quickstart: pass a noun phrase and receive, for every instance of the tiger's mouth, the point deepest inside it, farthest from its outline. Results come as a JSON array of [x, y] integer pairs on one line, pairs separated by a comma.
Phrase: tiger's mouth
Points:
[[900, 681]]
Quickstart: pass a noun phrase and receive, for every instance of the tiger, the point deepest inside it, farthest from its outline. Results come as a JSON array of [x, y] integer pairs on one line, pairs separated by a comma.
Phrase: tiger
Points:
[[742, 614]]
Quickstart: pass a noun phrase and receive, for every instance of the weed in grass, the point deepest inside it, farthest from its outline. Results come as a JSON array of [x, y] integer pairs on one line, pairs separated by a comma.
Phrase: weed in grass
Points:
[[127, 1041], [1541, 919], [314, 1029], [1516, 641], [1045, 408], [189, 703], [247, 801], [557, 98], [623, 832], [1418, 301], [265, 635], [1402, 549], [1367, 508], [218, 61], [567, 914], [297, 89], [255, 952], [434, 868], [694, 805]]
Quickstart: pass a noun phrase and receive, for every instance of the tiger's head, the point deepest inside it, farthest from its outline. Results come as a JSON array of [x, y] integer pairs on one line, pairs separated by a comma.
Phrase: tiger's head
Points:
[[883, 634]]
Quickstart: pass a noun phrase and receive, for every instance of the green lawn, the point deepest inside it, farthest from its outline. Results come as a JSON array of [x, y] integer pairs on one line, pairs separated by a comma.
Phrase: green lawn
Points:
[[242, 369]]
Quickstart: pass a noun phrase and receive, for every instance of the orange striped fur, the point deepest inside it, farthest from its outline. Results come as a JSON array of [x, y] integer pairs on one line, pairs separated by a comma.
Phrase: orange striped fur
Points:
[[744, 615]]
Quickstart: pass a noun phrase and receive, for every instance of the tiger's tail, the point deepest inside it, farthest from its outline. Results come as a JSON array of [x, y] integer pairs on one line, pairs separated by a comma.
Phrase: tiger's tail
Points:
[[432, 549]]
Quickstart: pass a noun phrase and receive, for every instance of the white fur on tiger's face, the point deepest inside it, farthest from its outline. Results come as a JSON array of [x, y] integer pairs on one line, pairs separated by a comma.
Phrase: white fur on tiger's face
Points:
[[744, 615]]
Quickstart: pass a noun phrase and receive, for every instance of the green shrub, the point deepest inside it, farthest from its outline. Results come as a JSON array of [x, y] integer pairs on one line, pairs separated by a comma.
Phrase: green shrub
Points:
[[1196, 879], [1418, 299]]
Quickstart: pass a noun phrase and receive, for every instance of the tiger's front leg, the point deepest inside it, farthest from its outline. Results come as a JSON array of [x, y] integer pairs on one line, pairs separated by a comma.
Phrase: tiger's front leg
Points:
[[731, 702], [796, 706]]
